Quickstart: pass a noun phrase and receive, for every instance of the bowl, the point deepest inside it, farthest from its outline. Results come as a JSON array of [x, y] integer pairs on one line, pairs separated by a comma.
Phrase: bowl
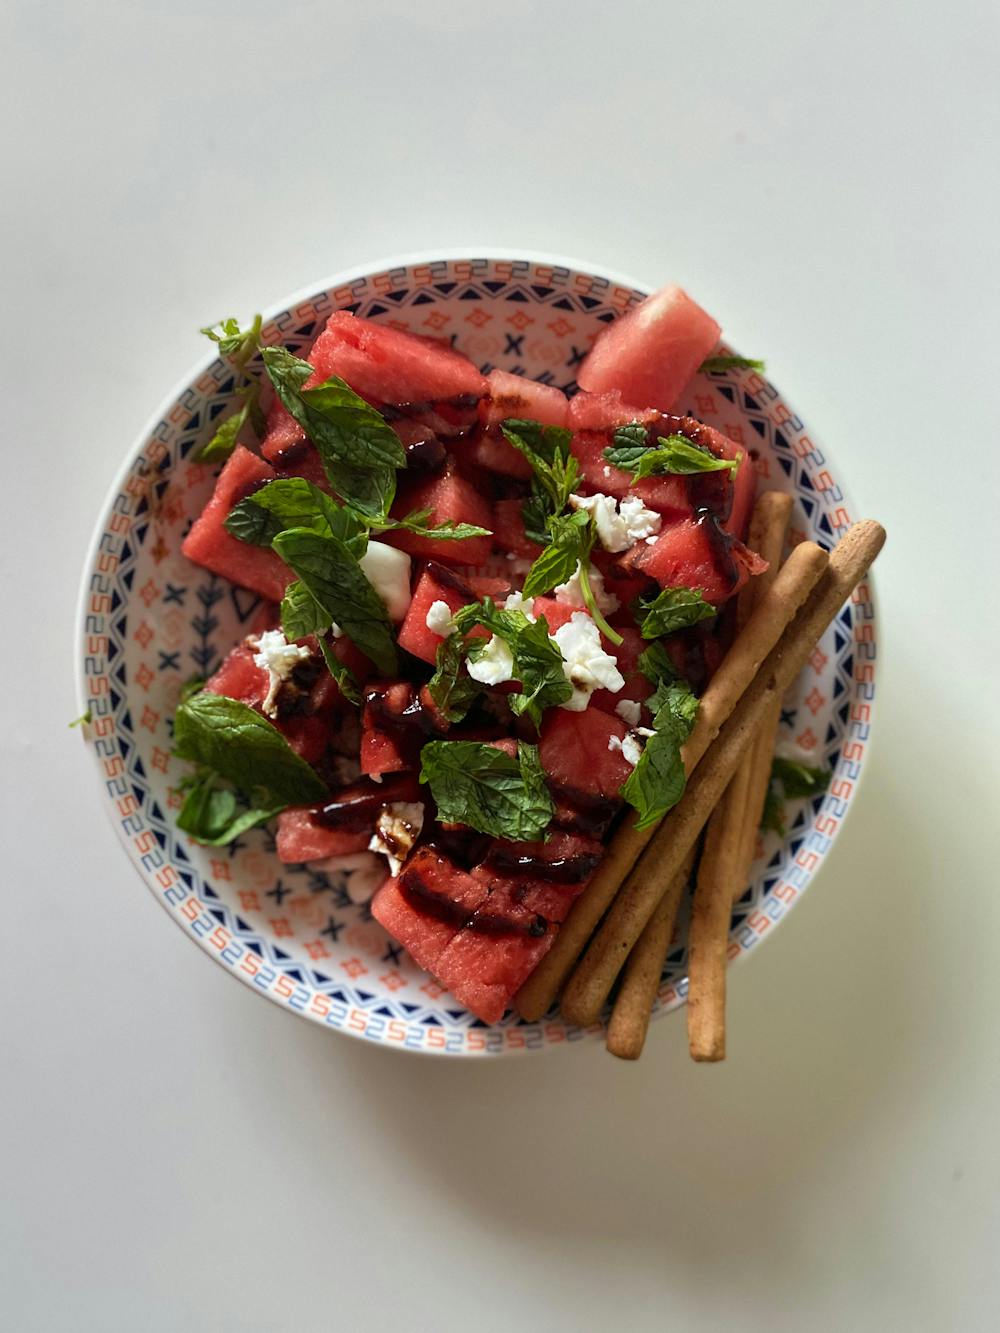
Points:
[[149, 620]]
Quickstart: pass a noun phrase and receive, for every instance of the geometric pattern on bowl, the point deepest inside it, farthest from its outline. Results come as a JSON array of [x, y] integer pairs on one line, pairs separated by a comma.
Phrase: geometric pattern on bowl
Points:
[[149, 620]]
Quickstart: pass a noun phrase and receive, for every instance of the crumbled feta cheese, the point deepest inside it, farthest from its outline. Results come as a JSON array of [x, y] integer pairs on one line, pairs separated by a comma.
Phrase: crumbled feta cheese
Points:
[[388, 571], [629, 711], [572, 595], [396, 830], [363, 873], [639, 521], [517, 602], [494, 665], [611, 532], [279, 658], [586, 665], [629, 746], [336, 631], [439, 619]]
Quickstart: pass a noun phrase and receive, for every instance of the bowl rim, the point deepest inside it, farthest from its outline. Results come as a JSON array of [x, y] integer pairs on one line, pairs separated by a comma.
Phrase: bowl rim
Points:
[[355, 272]]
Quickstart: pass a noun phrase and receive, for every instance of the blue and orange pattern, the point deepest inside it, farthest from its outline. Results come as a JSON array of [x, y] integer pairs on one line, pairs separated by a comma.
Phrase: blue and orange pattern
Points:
[[150, 620]]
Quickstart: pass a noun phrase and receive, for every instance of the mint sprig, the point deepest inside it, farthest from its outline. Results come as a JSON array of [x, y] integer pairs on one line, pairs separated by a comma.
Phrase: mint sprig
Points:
[[453, 691], [328, 568], [231, 742], [672, 454], [713, 365], [658, 780], [359, 451], [537, 661], [671, 610], [239, 347], [487, 789], [554, 471], [790, 781]]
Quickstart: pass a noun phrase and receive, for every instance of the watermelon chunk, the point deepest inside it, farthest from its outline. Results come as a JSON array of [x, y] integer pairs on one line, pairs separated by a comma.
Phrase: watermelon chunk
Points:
[[637, 686], [388, 745], [652, 352], [435, 584], [343, 824], [427, 904], [239, 677], [210, 545], [384, 366], [544, 876], [604, 412], [486, 962], [697, 553], [512, 396], [575, 756], [448, 496], [508, 530]]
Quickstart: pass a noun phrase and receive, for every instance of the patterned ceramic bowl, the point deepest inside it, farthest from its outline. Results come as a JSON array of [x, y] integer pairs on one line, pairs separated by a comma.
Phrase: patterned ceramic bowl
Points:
[[149, 620]]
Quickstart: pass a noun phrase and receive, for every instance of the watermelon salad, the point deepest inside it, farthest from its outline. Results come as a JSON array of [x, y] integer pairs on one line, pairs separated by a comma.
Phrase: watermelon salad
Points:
[[488, 610]]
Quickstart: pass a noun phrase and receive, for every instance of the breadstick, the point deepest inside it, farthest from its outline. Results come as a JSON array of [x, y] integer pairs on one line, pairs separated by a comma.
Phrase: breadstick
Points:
[[708, 932], [590, 984], [762, 631], [641, 978]]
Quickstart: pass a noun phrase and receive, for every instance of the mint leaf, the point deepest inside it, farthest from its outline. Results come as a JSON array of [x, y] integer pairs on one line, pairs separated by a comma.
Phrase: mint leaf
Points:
[[554, 467], [673, 454], [238, 345], [537, 661], [359, 451], [672, 609], [341, 673], [293, 502], [301, 614], [657, 666], [212, 815], [453, 693], [714, 364], [798, 779], [191, 687], [658, 780], [488, 790], [240, 745], [447, 531], [227, 433], [82, 721], [790, 781], [330, 571], [570, 540]]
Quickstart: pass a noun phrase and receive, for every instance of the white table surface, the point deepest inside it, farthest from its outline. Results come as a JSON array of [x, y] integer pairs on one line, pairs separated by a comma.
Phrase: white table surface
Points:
[[179, 1154]]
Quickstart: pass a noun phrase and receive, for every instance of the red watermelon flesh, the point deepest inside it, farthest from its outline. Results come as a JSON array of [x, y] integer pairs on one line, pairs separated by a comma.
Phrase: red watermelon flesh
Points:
[[637, 685], [387, 744], [344, 823], [513, 396], [438, 583], [384, 366], [448, 496], [508, 530], [485, 964], [575, 756], [697, 553], [240, 678], [426, 905], [545, 877], [652, 352], [210, 545], [604, 411], [668, 495]]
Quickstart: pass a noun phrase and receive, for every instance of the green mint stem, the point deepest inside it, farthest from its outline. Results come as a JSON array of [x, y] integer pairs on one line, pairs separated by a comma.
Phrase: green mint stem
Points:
[[590, 601]]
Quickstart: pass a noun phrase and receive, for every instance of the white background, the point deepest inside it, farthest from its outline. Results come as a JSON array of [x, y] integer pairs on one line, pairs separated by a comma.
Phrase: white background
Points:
[[180, 1154]]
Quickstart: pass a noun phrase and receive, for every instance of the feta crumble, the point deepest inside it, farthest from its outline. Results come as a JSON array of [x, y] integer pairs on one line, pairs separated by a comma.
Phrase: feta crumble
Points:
[[571, 594], [279, 658], [629, 711], [586, 665], [439, 619], [619, 523], [517, 602], [628, 745], [388, 571], [396, 830], [494, 665]]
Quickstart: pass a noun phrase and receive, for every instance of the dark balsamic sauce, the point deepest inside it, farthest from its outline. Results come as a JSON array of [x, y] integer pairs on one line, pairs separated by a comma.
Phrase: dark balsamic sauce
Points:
[[721, 543], [561, 870], [423, 897]]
